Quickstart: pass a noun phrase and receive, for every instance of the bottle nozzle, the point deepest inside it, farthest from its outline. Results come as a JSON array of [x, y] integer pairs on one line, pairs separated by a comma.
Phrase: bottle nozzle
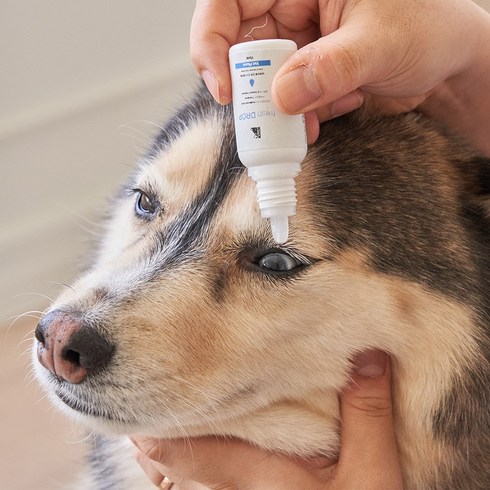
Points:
[[280, 228], [276, 195]]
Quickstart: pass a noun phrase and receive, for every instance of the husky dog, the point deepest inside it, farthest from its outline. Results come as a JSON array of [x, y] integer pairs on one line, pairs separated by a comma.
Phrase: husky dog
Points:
[[192, 321]]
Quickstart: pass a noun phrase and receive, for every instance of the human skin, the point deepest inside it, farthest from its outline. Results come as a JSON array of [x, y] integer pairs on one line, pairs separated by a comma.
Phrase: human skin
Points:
[[368, 453], [389, 55]]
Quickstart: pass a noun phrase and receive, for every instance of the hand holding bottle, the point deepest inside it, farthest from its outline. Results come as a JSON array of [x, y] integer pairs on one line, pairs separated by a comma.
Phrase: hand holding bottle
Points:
[[390, 55]]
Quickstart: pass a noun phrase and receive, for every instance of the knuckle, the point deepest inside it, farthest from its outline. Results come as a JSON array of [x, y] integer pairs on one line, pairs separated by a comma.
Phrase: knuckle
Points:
[[155, 451], [160, 451], [348, 65], [372, 406], [195, 54]]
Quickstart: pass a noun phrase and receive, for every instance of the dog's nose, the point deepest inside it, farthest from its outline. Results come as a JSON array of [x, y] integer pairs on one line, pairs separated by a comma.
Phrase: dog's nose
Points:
[[70, 349]]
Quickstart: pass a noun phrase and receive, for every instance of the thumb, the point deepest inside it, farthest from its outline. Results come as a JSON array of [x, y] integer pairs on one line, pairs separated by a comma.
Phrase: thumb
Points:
[[327, 70], [368, 455]]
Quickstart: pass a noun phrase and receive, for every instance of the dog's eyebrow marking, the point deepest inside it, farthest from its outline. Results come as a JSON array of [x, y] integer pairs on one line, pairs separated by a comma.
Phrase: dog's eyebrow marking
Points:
[[183, 169], [189, 229], [184, 237]]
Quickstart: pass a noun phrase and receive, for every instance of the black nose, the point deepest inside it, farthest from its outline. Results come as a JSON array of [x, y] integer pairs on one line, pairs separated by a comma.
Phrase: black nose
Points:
[[69, 348], [88, 349]]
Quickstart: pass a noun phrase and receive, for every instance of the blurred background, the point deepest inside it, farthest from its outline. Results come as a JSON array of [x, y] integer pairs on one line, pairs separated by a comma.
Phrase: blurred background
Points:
[[83, 86]]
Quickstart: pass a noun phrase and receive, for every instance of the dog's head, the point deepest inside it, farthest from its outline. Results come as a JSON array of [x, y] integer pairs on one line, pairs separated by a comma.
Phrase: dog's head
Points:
[[191, 316]]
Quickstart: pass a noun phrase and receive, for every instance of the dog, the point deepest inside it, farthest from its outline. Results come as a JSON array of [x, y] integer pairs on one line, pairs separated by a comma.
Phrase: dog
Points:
[[192, 321]]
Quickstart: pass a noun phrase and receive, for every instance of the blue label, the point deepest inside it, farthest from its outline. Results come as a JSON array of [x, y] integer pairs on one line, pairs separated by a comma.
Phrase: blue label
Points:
[[252, 64]]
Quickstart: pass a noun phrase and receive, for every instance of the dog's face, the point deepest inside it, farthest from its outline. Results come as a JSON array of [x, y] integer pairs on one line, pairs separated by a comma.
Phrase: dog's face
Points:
[[204, 319], [207, 316]]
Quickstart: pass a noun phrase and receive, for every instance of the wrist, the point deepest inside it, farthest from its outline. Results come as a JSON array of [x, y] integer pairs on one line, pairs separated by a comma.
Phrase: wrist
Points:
[[461, 103]]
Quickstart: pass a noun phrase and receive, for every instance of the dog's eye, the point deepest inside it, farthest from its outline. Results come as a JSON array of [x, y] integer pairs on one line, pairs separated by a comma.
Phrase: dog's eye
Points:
[[145, 206], [278, 262]]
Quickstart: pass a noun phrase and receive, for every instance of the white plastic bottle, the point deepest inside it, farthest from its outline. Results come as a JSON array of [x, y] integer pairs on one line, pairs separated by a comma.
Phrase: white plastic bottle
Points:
[[270, 144]]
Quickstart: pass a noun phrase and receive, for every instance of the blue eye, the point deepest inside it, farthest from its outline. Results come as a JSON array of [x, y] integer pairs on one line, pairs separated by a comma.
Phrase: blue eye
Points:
[[278, 262], [145, 206]]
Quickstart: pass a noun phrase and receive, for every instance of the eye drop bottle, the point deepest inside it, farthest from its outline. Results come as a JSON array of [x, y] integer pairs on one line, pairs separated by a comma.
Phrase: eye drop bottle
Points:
[[270, 144]]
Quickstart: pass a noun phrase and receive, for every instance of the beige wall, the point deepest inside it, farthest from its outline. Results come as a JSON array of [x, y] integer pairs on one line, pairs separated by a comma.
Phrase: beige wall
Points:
[[77, 80]]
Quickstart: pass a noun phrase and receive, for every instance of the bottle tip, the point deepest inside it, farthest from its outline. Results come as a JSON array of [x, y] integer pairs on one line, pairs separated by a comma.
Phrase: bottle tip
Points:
[[280, 228]]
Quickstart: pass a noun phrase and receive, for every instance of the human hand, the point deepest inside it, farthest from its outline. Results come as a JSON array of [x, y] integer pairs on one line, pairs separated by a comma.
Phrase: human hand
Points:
[[390, 55], [368, 453]]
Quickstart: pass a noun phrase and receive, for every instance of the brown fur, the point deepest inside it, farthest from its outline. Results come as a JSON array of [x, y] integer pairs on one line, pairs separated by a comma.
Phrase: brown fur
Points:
[[391, 234]]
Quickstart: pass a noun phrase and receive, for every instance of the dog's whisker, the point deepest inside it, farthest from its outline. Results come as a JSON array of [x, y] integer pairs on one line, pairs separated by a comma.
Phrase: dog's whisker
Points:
[[34, 294], [35, 314], [142, 144], [78, 215], [196, 389], [63, 285], [145, 138], [153, 123], [30, 377], [197, 409], [25, 341], [27, 314], [194, 407], [28, 335], [81, 441], [41, 399], [84, 228]]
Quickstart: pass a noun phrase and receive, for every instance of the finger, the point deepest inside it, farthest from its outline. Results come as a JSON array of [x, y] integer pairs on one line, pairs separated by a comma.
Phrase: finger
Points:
[[225, 464], [214, 29], [347, 103], [377, 104], [312, 127], [217, 25], [328, 70], [313, 119], [368, 454], [147, 465]]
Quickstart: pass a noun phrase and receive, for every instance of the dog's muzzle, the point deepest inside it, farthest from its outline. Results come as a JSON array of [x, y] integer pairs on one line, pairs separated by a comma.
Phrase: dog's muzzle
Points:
[[69, 348]]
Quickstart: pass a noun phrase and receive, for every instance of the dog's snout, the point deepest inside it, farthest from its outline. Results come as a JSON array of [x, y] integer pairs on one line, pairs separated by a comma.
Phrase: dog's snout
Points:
[[70, 349]]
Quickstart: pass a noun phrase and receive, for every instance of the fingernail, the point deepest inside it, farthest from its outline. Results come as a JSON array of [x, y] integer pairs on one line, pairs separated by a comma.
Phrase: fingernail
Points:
[[370, 363], [212, 83], [298, 89], [347, 103]]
